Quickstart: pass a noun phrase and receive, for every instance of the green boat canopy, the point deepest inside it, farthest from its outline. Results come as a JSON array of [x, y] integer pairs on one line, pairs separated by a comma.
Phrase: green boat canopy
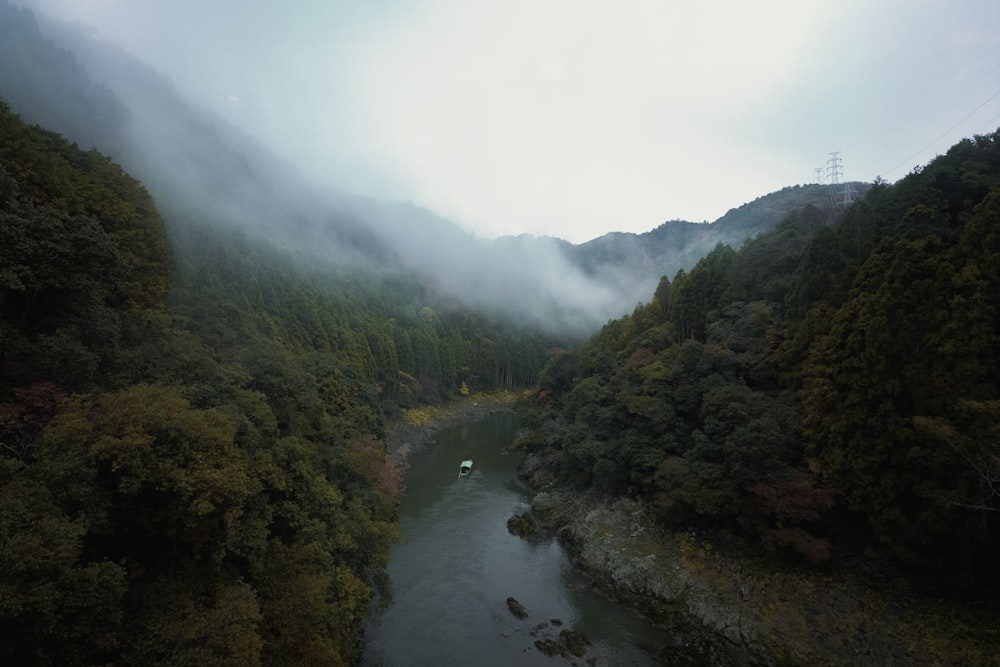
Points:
[[467, 463]]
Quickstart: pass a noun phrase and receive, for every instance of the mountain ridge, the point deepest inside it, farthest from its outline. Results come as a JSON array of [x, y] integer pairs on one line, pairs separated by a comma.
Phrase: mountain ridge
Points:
[[199, 165]]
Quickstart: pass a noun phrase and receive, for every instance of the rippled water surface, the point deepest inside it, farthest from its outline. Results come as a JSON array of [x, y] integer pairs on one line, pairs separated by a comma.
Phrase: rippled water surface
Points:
[[457, 565]]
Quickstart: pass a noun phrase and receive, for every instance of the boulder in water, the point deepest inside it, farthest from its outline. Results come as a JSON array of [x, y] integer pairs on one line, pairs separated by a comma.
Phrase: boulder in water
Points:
[[522, 525], [574, 641], [517, 608], [549, 646], [569, 643]]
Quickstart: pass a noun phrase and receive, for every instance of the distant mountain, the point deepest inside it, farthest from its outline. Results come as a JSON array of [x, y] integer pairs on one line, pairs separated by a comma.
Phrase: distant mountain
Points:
[[201, 168], [637, 261]]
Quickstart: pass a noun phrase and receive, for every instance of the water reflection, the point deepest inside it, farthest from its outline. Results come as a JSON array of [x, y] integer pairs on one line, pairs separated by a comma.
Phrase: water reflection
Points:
[[458, 564]]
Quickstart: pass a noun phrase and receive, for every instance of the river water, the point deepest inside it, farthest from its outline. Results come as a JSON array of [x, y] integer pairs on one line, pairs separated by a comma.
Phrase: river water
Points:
[[457, 564]]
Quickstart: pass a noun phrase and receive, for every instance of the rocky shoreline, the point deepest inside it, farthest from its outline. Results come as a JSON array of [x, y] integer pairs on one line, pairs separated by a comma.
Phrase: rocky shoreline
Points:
[[725, 610], [550, 637], [720, 610]]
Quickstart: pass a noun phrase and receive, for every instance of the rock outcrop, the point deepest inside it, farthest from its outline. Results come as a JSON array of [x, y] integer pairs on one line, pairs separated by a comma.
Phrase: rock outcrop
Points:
[[522, 525], [720, 610]]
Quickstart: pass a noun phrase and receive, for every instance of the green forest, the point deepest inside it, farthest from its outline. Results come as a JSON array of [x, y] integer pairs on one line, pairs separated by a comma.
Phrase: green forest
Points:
[[192, 469], [830, 392], [192, 420]]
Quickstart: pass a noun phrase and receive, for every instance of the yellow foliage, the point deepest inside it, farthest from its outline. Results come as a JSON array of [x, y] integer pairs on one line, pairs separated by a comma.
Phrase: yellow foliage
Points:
[[418, 416]]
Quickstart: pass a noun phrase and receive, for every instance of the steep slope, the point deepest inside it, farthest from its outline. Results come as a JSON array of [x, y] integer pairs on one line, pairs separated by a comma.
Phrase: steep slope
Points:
[[191, 469], [826, 396], [197, 165], [26, 59], [164, 492]]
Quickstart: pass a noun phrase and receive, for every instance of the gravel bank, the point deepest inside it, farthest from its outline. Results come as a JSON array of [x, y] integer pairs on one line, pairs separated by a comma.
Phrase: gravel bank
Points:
[[407, 436]]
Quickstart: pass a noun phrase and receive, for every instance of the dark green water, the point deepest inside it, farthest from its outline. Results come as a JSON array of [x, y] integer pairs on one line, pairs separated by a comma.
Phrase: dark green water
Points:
[[457, 565]]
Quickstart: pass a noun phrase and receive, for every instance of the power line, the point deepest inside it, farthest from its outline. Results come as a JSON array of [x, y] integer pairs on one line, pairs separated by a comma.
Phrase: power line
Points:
[[945, 133], [991, 124], [847, 196], [833, 168]]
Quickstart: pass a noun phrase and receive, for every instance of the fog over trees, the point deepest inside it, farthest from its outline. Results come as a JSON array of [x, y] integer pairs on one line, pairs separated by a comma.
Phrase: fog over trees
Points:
[[202, 349], [58, 74]]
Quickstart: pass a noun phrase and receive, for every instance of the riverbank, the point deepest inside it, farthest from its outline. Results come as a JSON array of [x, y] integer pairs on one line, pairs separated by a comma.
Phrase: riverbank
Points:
[[751, 610], [463, 588], [721, 609], [416, 427]]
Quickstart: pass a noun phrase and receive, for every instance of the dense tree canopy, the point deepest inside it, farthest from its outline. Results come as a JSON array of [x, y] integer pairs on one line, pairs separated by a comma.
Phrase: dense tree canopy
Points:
[[191, 463], [831, 388]]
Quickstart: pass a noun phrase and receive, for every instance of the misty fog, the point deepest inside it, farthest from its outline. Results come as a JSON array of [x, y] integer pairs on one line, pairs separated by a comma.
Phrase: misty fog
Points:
[[200, 167]]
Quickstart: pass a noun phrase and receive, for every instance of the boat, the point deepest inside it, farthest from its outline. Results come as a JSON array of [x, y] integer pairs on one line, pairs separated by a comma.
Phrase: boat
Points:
[[464, 468]]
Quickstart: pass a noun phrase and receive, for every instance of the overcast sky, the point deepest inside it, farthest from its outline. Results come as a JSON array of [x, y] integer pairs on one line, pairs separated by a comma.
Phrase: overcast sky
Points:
[[573, 118]]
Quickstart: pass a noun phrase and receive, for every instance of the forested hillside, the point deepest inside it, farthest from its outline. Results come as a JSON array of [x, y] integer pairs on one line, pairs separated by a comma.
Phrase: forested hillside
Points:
[[634, 262], [199, 165], [61, 76], [191, 469], [830, 391]]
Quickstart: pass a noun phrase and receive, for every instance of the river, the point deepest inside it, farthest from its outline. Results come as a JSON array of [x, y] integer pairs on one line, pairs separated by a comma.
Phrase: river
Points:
[[457, 564]]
